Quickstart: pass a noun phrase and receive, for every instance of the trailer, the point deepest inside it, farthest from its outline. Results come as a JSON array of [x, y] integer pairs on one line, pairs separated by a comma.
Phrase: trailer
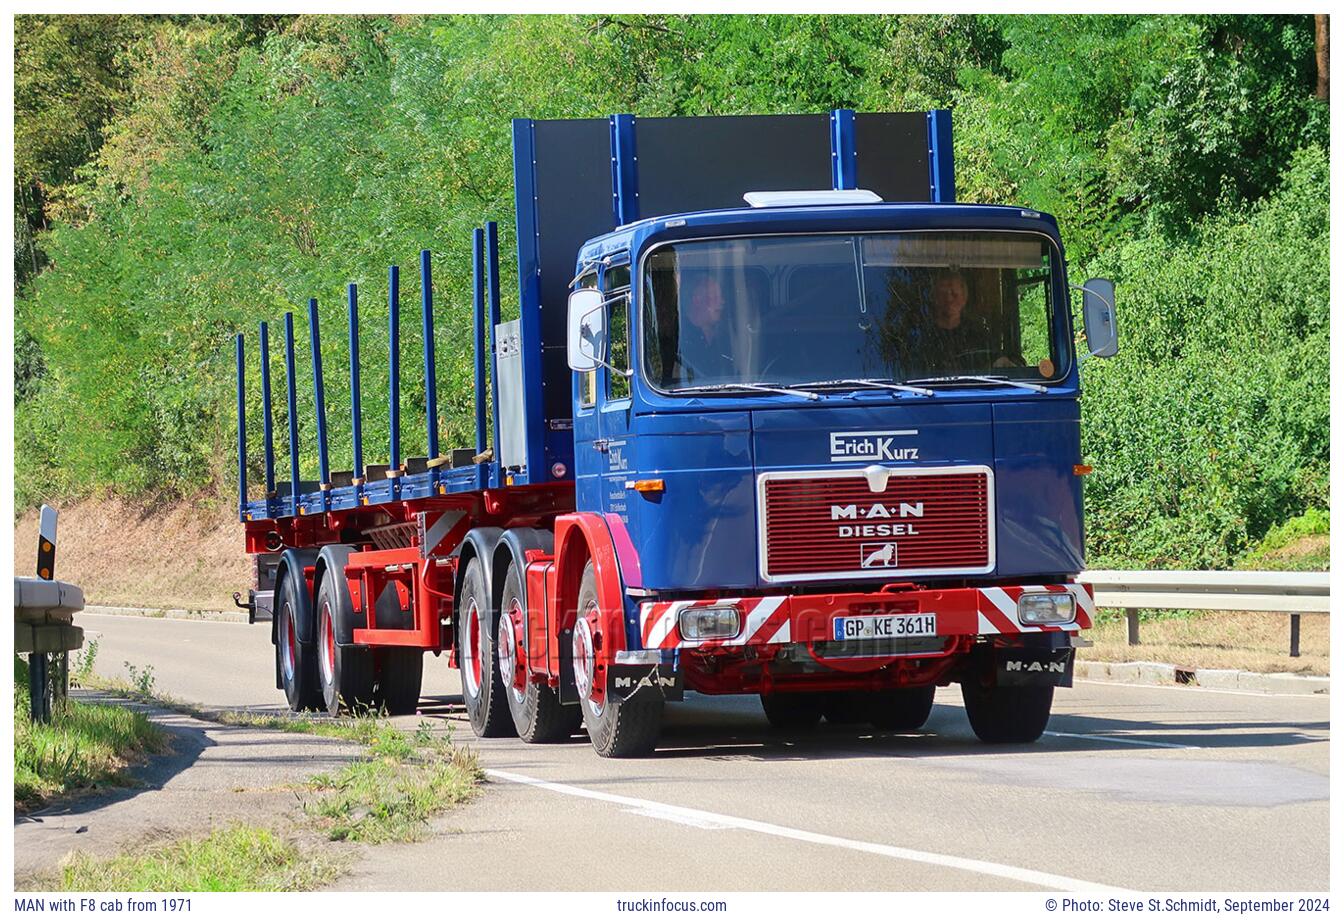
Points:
[[777, 416]]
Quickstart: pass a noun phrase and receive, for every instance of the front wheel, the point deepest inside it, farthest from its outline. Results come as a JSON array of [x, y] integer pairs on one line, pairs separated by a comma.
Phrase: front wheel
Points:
[[1007, 715], [616, 727]]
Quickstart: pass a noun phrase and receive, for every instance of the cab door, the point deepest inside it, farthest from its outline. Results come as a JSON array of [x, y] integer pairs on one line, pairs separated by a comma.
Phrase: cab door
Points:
[[616, 442], [589, 463]]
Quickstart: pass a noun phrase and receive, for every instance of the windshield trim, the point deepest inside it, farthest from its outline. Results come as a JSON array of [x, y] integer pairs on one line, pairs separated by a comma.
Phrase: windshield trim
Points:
[[637, 289]]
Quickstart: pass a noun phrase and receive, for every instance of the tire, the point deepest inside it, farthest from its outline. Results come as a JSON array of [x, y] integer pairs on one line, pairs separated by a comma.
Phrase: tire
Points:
[[847, 707], [537, 712], [793, 711], [901, 709], [482, 688], [344, 671], [1007, 715], [400, 671], [617, 728], [297, 664]]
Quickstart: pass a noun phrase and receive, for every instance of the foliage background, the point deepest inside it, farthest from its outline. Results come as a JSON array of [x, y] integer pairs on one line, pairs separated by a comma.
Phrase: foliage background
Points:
[[181, 178]]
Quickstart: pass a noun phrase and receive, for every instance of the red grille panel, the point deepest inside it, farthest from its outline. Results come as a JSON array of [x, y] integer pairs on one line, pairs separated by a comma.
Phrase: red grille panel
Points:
[[837, 524]]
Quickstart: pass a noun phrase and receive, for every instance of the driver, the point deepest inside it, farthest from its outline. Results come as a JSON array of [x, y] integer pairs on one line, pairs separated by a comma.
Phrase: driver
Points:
[[953, 341], [704, 352]]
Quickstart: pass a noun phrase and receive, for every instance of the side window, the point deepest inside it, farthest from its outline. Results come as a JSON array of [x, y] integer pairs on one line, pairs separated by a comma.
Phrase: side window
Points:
[[1034, 318], [588, 381], [615, 281]]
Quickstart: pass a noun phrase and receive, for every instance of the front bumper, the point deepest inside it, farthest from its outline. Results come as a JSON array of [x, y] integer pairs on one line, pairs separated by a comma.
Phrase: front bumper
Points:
[[807, 618]]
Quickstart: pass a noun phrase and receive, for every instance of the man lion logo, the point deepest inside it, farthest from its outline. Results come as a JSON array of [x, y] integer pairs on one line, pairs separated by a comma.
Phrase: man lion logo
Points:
[[884, 557]]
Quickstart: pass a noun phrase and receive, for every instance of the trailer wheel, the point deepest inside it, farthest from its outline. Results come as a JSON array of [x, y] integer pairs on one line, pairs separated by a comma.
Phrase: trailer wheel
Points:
[[400, 672], [482, 688], [1007, 715], [617, 728], [344, 672], [536, 709], [298, 670], [901, 709], [793, 711]]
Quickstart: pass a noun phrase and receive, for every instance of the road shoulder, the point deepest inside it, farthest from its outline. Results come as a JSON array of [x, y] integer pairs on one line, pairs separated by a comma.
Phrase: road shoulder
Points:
[[216, 775]]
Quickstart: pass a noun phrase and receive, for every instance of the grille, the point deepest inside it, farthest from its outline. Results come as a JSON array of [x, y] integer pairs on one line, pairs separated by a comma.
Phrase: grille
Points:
[[837, 526]]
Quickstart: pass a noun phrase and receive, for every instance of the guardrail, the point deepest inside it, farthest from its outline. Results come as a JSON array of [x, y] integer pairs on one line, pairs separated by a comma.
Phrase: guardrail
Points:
[[1293, 593], [44, 630]]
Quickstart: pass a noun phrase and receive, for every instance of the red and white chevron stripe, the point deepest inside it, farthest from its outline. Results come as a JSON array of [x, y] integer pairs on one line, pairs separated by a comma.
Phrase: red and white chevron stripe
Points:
[[997, 608], [771, 620], [767, 622]]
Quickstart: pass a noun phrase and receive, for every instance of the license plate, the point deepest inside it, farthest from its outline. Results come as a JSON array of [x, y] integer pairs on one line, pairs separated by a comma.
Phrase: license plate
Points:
[[888, 627]]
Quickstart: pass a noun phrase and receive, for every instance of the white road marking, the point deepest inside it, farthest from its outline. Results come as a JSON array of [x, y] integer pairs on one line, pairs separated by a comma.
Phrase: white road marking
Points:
[[1135, 741], [698, 818], [1186, 688]]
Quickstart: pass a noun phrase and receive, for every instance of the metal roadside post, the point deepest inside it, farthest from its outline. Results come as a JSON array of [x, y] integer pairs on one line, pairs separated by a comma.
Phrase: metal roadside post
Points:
[[43, 629]]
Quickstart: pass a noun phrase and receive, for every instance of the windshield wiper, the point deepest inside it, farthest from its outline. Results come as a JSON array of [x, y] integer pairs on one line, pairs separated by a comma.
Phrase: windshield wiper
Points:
[[756, 387], [961, 378], [864, 381]]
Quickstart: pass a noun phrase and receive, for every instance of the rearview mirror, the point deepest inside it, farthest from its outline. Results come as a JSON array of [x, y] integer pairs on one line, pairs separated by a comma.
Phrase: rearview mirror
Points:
[[587, 344], [1103, 339]]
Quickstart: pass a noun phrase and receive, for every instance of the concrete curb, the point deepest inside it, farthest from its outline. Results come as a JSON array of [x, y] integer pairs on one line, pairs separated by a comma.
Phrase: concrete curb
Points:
[[1153, 673], [169, 613]]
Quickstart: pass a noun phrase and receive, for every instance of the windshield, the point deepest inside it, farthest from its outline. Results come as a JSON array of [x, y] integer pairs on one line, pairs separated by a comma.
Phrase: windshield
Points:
[[796, 310]]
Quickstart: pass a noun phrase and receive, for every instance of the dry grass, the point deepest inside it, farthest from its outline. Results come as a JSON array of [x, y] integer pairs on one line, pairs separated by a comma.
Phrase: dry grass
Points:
[[1243, 641], [186, 554]]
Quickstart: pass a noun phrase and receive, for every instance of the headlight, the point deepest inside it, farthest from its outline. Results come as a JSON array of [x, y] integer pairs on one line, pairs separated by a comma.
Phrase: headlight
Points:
[[1045, 609], [709, 622]]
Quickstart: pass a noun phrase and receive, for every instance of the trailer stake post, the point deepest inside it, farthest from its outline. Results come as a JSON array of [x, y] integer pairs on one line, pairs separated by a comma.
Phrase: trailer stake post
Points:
[[492, 288], [267, 433], [293, 407], [320, 404], [394, 373], [478, 329], [242, 432], [356, 426], [431, 389]]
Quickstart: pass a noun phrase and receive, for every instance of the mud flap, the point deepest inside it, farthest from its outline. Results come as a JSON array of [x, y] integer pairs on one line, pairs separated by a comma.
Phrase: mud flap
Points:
[[625, 680], [1033, 667]]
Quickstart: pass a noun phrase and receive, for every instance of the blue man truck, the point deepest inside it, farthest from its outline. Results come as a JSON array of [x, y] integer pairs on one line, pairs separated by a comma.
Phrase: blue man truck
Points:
[[777, 417]]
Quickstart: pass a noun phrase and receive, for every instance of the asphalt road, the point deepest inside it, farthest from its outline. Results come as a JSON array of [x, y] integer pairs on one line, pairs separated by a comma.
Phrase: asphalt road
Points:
[[1142, 788]]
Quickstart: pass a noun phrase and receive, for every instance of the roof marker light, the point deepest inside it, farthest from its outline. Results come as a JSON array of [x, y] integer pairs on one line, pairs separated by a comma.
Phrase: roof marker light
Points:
[[815, 197]]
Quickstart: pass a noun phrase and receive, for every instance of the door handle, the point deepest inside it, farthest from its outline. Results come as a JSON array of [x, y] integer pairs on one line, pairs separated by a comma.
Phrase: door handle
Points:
[[601, 445]]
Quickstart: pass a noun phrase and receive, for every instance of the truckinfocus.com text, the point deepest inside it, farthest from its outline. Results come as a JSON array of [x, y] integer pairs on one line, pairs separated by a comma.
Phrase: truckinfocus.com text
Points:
[[660, 905]]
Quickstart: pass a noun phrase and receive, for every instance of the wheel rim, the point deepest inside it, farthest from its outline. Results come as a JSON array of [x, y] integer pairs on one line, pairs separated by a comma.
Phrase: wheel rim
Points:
[[584, 664], [288, 641], [509, 671], [327, 659], [471, 664]]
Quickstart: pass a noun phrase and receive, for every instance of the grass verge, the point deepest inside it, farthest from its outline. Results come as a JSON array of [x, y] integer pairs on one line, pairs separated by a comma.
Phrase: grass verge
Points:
[[1240, 641], [83, 748], [235, 858], [395, 790], [363, 728], [389, 794]]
